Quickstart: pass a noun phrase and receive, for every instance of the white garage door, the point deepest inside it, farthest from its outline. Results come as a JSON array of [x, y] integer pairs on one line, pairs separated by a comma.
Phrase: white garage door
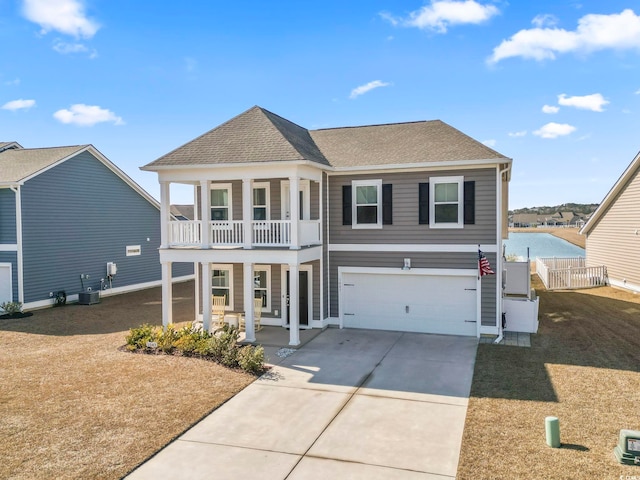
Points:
[[410, 303]]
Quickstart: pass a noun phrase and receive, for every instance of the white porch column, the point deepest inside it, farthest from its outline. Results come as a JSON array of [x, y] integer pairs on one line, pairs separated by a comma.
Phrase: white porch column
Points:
[[205, 206], [247, 214], [167, 295], [165, 213], [294, 199], [206, 296], [250, 333], [294, 304]]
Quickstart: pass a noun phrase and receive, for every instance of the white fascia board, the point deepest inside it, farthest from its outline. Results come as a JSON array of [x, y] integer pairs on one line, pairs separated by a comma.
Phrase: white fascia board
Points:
[[8, 247], [612, 195], [255, 171], [240, 255], [390, 168], [215, 166], [405, 247]]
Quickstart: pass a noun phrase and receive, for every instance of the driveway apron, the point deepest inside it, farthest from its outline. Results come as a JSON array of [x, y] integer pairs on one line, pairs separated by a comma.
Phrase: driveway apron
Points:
[[358, 404]]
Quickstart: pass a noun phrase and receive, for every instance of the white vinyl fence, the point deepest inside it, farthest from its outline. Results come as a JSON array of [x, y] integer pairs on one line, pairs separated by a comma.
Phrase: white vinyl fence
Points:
[[567, 273]]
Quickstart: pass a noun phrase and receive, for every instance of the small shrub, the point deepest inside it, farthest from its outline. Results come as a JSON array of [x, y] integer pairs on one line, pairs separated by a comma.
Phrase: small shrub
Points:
[[224, 348], [167, 338], [11, 308], [251, 359], [138, 337]]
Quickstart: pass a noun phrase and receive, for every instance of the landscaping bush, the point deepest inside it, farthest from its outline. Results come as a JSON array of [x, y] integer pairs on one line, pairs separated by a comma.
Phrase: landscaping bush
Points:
[[11, 308], [222, 347]]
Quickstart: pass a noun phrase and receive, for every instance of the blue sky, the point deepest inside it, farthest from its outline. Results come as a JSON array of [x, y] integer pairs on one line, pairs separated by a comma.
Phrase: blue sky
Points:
[[555, 85]]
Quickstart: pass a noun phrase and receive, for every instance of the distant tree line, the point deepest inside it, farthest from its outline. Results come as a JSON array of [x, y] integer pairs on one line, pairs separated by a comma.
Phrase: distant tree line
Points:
[[577, 208]]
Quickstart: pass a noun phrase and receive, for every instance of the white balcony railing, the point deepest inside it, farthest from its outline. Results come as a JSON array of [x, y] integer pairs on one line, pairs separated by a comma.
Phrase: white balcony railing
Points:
[[265, 233]]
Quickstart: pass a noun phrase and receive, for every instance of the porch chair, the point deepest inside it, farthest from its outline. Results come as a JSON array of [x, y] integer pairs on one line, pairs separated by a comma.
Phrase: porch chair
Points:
[[217, 310], [257, 315]]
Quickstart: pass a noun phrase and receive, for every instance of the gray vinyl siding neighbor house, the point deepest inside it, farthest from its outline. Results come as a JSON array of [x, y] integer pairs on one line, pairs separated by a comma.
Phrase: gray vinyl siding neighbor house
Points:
[[613, 231], [384, 228], [65, 212]]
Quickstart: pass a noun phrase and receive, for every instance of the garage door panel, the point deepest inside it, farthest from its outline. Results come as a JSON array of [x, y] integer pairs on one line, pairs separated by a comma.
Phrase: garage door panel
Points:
[[412, 303]]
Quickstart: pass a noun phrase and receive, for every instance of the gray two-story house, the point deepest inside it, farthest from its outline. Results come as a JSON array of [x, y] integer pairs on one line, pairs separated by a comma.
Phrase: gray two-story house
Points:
[[376, 226], [72, 222]]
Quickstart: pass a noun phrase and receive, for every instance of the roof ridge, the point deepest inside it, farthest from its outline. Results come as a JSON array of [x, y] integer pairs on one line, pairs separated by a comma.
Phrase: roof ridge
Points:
[[377, 125]]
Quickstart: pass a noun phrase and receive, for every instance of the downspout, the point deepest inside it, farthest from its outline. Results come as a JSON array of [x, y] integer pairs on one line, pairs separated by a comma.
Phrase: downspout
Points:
[[499, 259], [16, 190]]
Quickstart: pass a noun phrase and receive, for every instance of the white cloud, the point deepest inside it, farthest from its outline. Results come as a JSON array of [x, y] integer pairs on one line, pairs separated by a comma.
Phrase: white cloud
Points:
[[490, 143], [20, 104], [637, 92], [12, 83], [554, 130], [441, 14], [593, 102], [545, 20], [87, 115], [362, 89], [594, 32], [521, 133], [550, 109], [64, 48], [64, 16]]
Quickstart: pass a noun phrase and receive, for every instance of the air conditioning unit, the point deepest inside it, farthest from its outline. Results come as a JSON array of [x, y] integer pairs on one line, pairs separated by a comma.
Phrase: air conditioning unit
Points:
[[89, 297]]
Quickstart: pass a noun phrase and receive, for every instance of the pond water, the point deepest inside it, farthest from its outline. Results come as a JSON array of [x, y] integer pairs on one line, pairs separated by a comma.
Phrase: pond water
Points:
[[540, 245]]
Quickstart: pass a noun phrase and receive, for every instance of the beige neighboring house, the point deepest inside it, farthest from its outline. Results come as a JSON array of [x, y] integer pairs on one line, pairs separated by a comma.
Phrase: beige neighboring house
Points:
[[613, 231]]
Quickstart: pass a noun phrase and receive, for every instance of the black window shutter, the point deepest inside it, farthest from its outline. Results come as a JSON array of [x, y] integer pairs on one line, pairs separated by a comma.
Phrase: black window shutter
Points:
[[346, 205], [387, 204], [423, 203], [469, 202]]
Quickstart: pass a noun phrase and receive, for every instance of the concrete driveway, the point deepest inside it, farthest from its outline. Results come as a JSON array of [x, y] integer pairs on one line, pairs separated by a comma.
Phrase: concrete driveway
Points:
[[357, 404]]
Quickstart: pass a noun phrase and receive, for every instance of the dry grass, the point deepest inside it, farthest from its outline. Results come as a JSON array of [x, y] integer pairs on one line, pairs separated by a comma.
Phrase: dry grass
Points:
[[73, 406], [571, 235], [583, 367]]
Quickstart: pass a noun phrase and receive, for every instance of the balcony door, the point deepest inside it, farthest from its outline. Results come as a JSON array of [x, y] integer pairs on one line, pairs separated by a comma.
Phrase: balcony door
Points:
[[303, 196]]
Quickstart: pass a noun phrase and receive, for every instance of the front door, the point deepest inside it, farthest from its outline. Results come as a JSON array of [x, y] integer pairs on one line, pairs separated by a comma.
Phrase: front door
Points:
[[303, 297]]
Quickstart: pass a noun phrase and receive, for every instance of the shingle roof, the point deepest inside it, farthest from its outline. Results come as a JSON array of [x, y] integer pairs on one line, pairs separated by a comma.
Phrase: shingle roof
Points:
[[258, 135], [18, 164], [185, 211], [6, 145], [399, 143]]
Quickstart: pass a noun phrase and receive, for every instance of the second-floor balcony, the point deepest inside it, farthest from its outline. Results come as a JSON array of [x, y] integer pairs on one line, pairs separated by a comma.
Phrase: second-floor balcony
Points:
[[263, 233]]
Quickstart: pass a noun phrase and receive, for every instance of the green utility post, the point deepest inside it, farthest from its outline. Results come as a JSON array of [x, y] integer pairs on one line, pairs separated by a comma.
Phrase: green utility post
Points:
[[552, 426]]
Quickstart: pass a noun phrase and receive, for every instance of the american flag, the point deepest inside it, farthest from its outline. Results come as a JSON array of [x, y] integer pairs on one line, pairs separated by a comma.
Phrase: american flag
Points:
[[483, 265]]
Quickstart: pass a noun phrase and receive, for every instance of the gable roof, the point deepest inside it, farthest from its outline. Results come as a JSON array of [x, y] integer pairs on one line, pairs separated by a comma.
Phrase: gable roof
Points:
[[185, 211], [258, 135], [7, 145], [18, 164], [613, 194]]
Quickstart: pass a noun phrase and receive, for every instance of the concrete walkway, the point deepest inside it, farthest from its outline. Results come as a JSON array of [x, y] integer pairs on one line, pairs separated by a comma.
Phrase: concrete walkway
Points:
[[358, 404]]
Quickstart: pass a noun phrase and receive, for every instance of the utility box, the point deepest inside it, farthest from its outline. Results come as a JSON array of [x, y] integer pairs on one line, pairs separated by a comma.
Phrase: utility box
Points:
[[88, 298], [628, 449]]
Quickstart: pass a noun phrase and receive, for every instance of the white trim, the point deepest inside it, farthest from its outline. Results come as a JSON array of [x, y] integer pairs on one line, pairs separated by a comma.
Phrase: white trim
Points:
[[20, 255], [5, 265], [264, 268], [267, 195], [240, 255], [431, 166], [229, 268], [354, 205], [624, 285], [283, 291], [106, 293], [305, 187], [433, 182], [450, 272], [8, 247], [229, 188], [410, 247]]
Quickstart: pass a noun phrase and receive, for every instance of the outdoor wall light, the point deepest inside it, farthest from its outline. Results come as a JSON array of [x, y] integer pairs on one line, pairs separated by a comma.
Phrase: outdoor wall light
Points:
[[407, 264]]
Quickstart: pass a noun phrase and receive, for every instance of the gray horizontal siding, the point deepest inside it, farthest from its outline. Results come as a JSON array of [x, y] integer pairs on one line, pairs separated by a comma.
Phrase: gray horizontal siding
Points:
[[77, 217], [405, 228], [418, 260], [12, 258], [613, 241], [7, 216]]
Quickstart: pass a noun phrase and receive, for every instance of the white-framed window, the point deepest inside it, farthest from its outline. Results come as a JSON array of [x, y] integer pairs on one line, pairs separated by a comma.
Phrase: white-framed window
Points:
[[261, 201], [222, 283], [446, 202], [366, 203], [262, 285], [221, 202]]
